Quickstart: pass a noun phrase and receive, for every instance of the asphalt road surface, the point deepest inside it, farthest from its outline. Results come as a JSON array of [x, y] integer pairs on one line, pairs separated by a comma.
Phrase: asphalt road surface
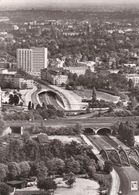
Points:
[[127, 174], [96, 122]]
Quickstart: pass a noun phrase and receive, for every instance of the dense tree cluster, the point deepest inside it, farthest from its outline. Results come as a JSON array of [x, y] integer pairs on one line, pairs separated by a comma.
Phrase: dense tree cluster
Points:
[[25, 157], [48, 111], [4, 189], [75, 130], [99, 81], [13, 99], [40, 113], [125, 132]]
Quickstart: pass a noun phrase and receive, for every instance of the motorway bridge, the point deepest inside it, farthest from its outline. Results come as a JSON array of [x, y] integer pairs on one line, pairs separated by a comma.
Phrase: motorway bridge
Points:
[[125, 160]]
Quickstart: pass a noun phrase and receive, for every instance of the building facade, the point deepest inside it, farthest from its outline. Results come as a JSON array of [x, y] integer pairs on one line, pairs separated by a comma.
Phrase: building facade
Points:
[[79, 70], [54, 77], [32, 60], [134, 78]]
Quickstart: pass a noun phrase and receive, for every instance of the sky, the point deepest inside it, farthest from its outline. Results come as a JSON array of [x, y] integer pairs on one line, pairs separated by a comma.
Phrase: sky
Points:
[[36, 3]]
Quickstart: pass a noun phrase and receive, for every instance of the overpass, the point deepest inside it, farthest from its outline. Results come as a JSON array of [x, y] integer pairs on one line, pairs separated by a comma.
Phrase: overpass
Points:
[[99, 131], [65, 102], [118, 153]]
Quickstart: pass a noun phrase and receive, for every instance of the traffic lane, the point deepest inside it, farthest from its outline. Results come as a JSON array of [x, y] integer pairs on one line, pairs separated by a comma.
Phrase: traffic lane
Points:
[[92, 122], [127, 174], [99, 141], [54, 123], [124, 180], [133, 175]]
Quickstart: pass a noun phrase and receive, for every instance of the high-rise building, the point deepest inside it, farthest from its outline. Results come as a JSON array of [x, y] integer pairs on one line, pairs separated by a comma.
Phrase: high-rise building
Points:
[[32, 60], [39, 59], [24, 59]]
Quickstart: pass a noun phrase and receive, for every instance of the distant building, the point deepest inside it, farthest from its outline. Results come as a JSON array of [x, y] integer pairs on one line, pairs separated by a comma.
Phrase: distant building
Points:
[[5, 71], [130, 65], [134, 78], [55, 77], [32, 60], [22, 83], [15, 80], [4, 19], [113, 71], [15, 27], [78, 69]]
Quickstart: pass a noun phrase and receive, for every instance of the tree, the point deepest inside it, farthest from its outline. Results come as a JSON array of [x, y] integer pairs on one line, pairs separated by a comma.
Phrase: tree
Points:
[[108, 166], [130, 84], [4, 189], [14, 170], [126, 133], [41, 170], [71, 179], [3, 172], [56, 166], [25, 168], [78, 128], [72, 165], [46, 184], [11, 99], [16, 99], [56, 148], [2, 125], [94, 95], [91, 171], [38, 107], [29, 105]]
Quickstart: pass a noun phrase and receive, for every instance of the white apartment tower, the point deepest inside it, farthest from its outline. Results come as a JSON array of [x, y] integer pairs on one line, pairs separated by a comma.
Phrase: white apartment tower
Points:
[[32, 60]]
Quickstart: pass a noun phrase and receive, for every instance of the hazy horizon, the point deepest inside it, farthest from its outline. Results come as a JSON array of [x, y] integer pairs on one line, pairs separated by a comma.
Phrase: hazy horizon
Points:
[[11, 4]]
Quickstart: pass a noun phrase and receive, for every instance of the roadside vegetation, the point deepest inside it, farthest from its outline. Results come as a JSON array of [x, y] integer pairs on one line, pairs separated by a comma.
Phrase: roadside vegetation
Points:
[[125, 131], [25, 156]]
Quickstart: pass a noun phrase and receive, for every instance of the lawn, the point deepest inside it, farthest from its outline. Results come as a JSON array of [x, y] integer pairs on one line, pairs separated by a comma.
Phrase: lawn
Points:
[[65, 139], [81, 187], [100, 95]]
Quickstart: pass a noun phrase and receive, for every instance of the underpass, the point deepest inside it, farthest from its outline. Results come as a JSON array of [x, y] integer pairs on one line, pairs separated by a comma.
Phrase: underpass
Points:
[[50, 98]]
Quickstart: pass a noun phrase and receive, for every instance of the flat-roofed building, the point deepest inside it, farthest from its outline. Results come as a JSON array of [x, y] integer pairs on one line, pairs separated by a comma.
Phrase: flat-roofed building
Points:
[[134, 78], [55, 77], [32, 60], [24, 59], [78, 69], [39, 59]]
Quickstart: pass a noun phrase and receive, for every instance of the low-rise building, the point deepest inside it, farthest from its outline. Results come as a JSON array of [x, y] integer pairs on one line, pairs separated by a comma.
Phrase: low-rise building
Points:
[[79, 70], [134, 78], [23, 83], [5, 71], [55, 77], [14, 80]]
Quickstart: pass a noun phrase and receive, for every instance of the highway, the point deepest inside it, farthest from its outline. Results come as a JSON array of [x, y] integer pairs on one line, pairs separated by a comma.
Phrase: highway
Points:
[[96, 122], [49, 99], [126, 173]]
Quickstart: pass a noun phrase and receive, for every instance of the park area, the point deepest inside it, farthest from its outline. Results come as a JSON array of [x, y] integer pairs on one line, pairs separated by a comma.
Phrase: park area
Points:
[[80, 187], [87, 94]]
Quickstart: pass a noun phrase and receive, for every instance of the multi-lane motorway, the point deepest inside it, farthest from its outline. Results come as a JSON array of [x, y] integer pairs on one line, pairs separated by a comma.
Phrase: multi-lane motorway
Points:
[[127, 174], [96, 122]]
